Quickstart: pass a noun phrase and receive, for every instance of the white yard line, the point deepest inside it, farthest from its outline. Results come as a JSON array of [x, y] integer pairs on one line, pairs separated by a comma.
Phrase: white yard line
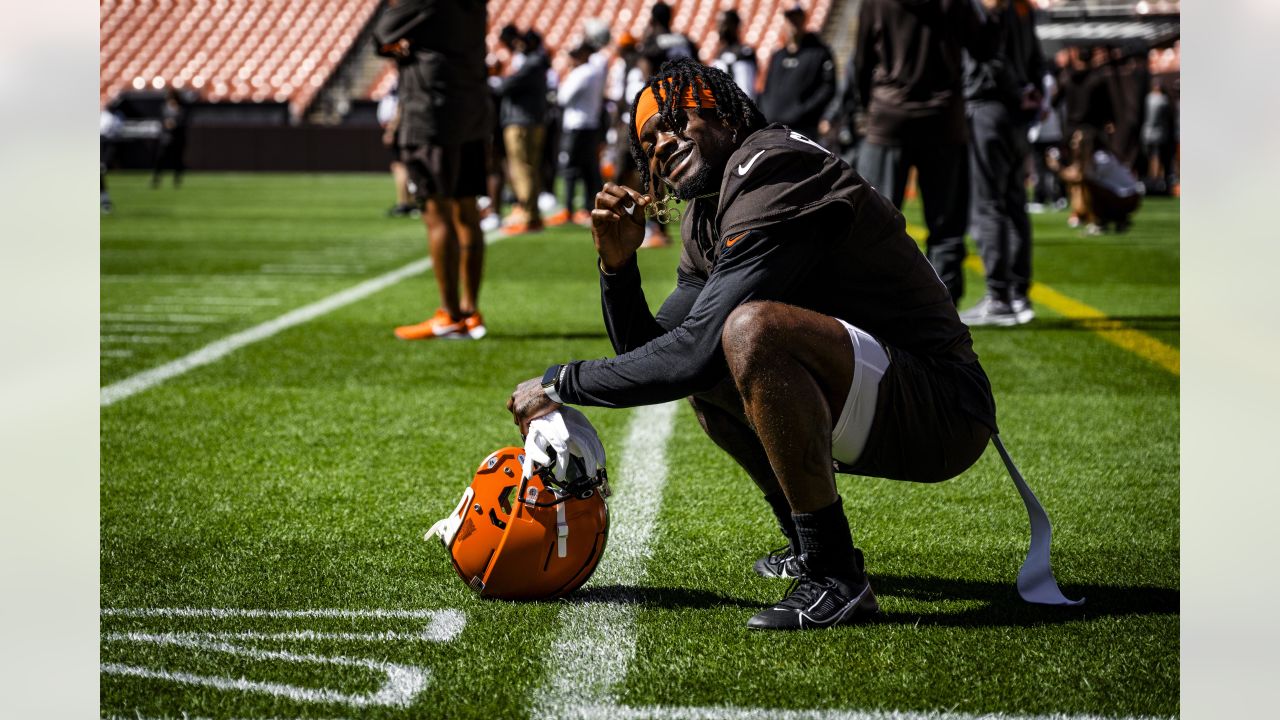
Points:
[[596, 640], [285, 269], [134, 339], [401, 685], [161, 328], [160, 317], [219, 349], [197, 300], [717, 712], [222, 613]]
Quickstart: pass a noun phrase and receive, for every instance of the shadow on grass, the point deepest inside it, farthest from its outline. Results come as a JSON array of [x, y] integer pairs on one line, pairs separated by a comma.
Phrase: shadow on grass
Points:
[[663, 597], [1002, 606], [1119, 322]]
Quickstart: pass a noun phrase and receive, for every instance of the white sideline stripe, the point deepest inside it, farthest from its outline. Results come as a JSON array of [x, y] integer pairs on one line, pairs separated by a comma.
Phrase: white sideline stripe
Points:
[[116, 353], [718, 712], [219, 349], [596, 640], [190, 612], [402, 684]]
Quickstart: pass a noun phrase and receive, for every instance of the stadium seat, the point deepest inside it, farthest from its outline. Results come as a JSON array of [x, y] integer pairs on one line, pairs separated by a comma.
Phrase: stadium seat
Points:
[[247, 50]]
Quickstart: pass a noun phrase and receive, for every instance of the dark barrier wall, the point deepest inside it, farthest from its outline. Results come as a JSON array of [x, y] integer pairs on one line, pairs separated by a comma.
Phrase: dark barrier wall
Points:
[[275, 148], [302, 148]]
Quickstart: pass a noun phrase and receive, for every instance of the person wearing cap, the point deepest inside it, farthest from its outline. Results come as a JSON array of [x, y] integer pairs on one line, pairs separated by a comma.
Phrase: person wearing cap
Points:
[[807, 330], [802, 78]]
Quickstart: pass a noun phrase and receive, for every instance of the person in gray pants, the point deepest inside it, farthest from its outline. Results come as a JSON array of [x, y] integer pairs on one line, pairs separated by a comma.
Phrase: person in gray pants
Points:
[[1002, 97]]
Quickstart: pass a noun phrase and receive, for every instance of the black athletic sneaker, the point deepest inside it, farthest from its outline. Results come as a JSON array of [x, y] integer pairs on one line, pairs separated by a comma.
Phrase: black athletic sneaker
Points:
[[780, 563], [819, 602]]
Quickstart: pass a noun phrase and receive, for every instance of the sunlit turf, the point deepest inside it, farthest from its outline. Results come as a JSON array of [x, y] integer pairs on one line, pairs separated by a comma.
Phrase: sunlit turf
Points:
[[300, 472]]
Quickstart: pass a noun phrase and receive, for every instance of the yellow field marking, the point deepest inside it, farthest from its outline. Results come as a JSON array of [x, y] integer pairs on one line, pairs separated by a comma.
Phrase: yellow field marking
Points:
[[1113, 331]]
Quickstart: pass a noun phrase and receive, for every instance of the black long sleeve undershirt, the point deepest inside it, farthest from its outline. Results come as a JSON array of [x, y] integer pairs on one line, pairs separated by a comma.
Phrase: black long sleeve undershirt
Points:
[[679, 353]]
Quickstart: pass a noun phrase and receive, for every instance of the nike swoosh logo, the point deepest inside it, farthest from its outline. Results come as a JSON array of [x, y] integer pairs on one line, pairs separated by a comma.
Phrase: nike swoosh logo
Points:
[[742, 169], [729, 243]]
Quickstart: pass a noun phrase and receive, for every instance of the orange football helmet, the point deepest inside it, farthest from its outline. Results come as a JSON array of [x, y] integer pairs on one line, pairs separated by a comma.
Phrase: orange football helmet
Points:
[[530, 538]]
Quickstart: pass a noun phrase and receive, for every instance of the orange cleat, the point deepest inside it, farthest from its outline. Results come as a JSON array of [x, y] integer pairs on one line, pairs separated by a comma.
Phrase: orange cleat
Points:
[[655, 240], [559, 218], [475, 326], [441, 325], [522, 228], [582, 217]]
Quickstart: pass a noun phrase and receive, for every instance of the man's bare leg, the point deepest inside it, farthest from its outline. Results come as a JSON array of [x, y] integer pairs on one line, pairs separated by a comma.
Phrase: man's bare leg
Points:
[[466, 222], [400, 174], [442, 237], [720, 413], [793, 368]]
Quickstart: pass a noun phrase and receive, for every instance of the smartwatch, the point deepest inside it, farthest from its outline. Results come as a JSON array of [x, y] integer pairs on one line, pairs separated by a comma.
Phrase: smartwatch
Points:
[[550, 379]]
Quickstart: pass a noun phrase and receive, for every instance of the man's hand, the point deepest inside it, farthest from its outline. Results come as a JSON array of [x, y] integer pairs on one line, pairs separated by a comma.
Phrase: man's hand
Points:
[[994, 5], [617, 224], [529, 401]]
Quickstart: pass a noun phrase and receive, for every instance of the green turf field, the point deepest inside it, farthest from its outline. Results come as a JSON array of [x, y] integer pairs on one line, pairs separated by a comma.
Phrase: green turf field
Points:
[[262, 510]]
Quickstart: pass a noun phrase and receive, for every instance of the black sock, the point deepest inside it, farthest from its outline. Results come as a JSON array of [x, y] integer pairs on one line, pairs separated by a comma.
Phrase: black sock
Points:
[[782, 511], [827, 543]]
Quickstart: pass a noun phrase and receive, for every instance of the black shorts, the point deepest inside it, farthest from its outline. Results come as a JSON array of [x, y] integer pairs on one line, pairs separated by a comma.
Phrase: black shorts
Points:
[[452, 171], [926, 426]]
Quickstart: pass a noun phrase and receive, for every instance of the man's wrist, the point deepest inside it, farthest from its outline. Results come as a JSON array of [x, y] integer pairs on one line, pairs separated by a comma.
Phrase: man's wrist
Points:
[[551, 382]]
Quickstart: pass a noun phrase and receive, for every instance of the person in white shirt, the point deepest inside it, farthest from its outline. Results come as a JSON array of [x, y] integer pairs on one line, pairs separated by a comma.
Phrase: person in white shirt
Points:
[[581, 97]]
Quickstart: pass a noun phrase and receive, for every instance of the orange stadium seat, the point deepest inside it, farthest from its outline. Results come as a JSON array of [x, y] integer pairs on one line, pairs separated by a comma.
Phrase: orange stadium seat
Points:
[[247, 50]]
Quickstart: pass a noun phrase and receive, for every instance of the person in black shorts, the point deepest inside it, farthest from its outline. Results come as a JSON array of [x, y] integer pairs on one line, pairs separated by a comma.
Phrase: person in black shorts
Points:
[[445, 119], [807, 329]]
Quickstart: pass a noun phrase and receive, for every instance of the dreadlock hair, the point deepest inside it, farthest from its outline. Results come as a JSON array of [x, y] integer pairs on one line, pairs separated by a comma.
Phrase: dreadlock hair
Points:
[[669, 85]]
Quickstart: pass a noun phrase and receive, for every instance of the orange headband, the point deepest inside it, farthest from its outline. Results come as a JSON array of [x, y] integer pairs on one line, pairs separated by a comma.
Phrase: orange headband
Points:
[[647, 106]]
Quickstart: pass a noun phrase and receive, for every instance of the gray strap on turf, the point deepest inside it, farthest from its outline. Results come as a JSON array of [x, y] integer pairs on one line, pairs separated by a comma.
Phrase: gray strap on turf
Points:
[[1036, 583]]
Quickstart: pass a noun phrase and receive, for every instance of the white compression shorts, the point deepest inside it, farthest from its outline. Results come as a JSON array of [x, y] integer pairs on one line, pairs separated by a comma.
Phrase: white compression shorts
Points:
[[869, 364]]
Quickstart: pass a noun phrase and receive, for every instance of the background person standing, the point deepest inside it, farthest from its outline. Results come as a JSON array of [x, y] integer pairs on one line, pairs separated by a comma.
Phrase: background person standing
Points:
[[732, 56], [909, 80], [1002, 96], [523, 109], [445, 121], [801, 79], [581, 98], [172, 150]]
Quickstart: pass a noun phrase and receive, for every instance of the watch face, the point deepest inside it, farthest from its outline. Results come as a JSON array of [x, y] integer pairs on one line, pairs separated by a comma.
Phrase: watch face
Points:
[[549, 377]]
